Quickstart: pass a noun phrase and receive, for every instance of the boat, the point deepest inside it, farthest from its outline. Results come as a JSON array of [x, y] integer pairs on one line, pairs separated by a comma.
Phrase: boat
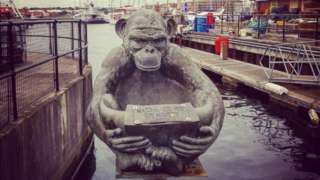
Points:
[[120, 13], [91, 15]]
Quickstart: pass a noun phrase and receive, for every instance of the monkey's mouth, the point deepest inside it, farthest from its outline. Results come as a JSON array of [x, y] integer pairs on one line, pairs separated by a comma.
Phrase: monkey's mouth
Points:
[[148, 68], [148, 61]]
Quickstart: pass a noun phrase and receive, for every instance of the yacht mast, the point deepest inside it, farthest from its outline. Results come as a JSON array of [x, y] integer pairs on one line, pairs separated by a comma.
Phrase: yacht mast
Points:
[[14, 8]]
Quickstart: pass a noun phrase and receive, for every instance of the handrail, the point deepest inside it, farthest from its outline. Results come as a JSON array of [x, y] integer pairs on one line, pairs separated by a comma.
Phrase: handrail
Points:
[[15, 77], [37, 21]]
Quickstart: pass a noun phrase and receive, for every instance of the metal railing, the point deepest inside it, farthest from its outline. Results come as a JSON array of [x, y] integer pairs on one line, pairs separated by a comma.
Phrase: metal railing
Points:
[[37, 58], [282, 28], [297, 61]]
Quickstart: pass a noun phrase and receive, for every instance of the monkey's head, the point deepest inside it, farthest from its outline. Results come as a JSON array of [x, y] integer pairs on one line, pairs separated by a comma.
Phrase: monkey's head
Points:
[[145, 37]]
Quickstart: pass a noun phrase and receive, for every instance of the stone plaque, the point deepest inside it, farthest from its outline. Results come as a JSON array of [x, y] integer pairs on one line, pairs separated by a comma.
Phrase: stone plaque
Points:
[[161, 123]]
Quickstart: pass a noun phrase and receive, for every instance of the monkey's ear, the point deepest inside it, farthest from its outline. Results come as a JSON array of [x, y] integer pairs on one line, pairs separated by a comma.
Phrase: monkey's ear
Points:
[[120, 26], [171, 27]]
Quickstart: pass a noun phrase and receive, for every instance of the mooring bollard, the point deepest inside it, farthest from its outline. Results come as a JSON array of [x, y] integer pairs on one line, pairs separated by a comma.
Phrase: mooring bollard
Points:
[[315, 121]]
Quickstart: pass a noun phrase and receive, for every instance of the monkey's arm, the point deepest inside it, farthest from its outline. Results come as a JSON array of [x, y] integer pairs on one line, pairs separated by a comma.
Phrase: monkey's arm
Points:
[[206, 99], [104, 115], [102, 94], [205, 96]]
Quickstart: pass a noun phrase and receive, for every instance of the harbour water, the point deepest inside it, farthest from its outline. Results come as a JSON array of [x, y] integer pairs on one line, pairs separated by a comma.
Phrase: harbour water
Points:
[[254, 143]]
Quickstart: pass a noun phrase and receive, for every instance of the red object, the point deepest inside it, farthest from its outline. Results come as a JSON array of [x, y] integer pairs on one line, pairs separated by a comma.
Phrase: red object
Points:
[[210, 19], [263, 7], [218, 42]]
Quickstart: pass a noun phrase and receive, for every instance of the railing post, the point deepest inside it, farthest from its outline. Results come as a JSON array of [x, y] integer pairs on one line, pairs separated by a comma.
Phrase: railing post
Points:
[[56, 62], [258, 28], [72, 39], [80, 47], [13, 73], [239, 18], [50, 39], [221, 24], [283, 29], [317, 30], [86, 41]]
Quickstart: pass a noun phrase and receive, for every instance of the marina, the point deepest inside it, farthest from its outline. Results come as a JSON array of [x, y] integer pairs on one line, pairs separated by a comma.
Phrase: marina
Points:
[[268, 80], [259, 132]]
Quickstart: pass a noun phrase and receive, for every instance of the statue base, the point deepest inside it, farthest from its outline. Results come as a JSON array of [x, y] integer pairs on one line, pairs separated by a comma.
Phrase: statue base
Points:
[[194, 169]]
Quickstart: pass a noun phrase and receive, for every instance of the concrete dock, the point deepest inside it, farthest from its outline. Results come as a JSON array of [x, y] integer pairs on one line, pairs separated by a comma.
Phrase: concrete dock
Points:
[[254, 76]]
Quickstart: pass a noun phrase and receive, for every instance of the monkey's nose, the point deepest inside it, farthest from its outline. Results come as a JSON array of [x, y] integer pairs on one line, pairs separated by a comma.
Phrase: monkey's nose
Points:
[[149, 50]]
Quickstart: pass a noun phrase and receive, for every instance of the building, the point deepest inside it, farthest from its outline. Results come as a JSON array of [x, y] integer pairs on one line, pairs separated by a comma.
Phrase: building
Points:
[[230, 6], [288, 6]]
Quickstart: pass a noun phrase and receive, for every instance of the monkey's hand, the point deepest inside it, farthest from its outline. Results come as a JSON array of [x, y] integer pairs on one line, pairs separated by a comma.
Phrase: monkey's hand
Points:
[[127, 144], [192, 147]]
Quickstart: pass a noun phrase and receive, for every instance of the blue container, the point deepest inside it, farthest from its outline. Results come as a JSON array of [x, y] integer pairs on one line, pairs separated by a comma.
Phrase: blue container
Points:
[[202, 28], [195, 24], [202, 19], [200, 24]]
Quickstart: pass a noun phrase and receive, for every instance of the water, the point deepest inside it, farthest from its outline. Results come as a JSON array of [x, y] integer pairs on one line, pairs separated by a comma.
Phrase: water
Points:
[[254, 142]]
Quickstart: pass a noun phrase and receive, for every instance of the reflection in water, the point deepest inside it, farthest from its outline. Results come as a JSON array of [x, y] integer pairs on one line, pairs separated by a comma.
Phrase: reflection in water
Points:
[[279, 135], [254, 142]]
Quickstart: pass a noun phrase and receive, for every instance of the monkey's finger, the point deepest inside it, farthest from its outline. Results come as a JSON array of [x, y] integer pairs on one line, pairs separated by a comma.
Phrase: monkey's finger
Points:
[[186, 152], [197, 141], [183, 155], [188, 146], [113, 132], [127, 140], [138, 144], [128, 150], [206, 130]]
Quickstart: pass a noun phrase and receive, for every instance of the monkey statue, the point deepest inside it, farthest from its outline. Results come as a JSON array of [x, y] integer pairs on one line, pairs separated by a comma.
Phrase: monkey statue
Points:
[[149, 70]]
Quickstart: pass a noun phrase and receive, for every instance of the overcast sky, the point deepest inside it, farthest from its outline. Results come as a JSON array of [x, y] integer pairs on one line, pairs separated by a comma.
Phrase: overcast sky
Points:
[[67, 3]]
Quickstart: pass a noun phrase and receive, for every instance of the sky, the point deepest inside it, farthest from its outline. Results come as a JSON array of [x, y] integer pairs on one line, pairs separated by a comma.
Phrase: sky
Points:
[[67, 3]]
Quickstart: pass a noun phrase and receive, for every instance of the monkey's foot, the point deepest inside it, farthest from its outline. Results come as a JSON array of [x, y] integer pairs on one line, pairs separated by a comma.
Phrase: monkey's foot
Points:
[[140, 161]]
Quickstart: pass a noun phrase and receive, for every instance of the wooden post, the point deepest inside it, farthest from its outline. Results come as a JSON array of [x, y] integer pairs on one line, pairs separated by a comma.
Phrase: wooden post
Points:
[[11, 58], [258, 26], [55, 53], [224, 51], [283, 30]]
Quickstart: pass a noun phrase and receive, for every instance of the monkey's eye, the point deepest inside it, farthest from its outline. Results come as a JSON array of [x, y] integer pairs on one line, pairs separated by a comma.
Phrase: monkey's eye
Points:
[[136, 43], [139, 41], [160, 42]]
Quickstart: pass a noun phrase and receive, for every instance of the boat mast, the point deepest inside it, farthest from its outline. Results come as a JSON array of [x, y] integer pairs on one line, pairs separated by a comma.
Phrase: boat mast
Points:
[[14, 8], [167, 5]]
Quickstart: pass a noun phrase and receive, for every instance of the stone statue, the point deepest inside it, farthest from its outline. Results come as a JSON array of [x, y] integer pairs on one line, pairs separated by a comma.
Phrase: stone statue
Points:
[[146, 73]]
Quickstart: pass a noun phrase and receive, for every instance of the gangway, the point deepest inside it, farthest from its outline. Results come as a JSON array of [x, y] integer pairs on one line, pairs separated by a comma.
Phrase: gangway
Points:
[[300, 62]]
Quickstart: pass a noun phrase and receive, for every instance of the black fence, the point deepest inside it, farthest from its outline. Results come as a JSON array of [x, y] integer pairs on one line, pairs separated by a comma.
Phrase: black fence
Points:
[[281, 27], [36, 59]]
